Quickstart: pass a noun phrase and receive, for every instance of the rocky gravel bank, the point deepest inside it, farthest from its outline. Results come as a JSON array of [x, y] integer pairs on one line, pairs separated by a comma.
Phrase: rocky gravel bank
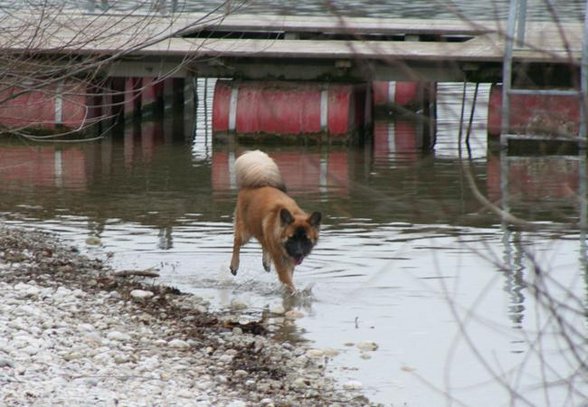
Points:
[[73, 333]]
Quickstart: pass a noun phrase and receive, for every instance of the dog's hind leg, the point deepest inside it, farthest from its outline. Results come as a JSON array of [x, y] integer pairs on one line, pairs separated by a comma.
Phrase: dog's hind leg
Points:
[[239, 240], [266, 260]]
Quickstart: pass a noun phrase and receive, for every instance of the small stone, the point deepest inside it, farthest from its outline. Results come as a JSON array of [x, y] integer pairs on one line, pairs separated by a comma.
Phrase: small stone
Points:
[[91, 382], [241, 373], [115, 295], [238, 304], [367, 346], [353, 385], [201, 308], [150, 363], [69, 356], [262, 387], [30, 350], [226, 358], [93, 241], [6, 362], [294, 314], [300, 383], [27, 290], [178, 344], [140, 295], [86, 327], [120, 358], [315, 353], [118, 336], [277, 310]]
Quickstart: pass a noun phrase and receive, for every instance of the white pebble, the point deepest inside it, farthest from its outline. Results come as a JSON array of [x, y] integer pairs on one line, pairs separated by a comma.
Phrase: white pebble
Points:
[[352, 385], [141, 294], [27, 290], [300, 383], [367, 346], [69, 356], [118, 336], [121, 358], [238, 304], [315, 353], [86, 327], [226, 358], [330, 352], [6, 362], [178, 344], [277, 310], [93, 241], [294, 314]]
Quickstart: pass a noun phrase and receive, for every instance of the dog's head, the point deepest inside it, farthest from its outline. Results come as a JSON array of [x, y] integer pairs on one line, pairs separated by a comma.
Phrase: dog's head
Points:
[[299, 234]]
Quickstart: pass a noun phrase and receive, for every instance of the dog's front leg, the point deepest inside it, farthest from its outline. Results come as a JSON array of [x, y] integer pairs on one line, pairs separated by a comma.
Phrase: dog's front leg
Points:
[[285, 272]]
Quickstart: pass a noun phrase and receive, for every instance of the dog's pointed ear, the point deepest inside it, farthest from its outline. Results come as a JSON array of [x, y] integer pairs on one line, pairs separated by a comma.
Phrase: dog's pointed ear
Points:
[[315, 219], [286, 217]]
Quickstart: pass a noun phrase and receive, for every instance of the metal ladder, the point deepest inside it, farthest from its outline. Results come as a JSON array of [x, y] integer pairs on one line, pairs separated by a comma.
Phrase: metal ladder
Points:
[[515, 38]]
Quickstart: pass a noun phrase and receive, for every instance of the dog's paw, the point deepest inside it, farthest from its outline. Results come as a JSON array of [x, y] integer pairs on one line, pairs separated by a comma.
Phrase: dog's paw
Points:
[[266, 260]]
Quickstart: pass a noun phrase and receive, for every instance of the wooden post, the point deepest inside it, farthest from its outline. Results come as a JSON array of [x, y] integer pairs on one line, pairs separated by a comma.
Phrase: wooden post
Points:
[[159, 102], [137, 85], [178, 108], [117, 86]]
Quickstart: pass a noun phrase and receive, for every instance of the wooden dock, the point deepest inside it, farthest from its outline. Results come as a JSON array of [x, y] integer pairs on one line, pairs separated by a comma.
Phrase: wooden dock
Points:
[[280, 47]]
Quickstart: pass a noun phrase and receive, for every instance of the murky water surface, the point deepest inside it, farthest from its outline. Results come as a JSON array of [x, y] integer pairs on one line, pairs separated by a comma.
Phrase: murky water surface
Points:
[[408, 257]]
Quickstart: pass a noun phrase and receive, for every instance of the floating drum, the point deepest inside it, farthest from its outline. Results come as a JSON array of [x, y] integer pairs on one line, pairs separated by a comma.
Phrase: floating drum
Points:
[[413, 96], [534, 114], [65, 104], [255, 109]]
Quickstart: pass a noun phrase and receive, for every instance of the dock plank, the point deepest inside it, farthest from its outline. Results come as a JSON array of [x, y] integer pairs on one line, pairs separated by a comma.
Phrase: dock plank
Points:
[[175, 38]]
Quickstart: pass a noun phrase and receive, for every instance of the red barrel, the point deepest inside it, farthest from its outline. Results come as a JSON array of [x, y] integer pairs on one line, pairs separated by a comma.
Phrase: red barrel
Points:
[[287, 108], [410, 95], [66, 103], [532, 114]]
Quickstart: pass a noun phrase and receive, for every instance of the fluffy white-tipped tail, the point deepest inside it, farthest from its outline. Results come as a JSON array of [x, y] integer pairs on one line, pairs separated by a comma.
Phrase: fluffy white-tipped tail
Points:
[[255, 169]]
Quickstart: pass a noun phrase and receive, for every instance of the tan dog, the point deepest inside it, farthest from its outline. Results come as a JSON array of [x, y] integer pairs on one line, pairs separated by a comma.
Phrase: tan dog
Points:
[[287, 234]]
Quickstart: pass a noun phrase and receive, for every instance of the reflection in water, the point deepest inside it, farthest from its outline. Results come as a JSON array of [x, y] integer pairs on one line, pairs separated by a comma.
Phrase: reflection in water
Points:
[[403, 238], [514, 282]]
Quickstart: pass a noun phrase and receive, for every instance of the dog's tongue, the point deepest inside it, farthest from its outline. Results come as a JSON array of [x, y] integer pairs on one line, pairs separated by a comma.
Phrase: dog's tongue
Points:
[[298, 260]]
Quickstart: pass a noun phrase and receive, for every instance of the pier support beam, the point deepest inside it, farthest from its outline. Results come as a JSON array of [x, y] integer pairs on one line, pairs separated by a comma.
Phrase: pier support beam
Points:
[[117, 87]]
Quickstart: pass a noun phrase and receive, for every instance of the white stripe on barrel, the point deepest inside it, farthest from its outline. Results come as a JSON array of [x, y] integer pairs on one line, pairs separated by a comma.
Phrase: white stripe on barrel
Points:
[[391, 92], [324, 109], [59, 103], [233, 107]]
